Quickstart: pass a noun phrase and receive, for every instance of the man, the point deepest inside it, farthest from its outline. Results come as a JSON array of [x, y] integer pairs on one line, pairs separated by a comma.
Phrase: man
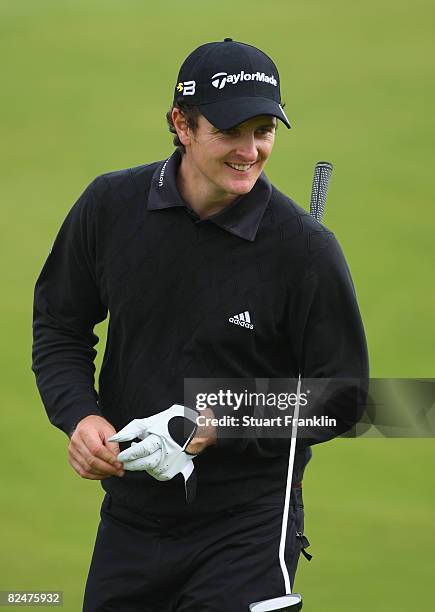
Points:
[[180, 252]]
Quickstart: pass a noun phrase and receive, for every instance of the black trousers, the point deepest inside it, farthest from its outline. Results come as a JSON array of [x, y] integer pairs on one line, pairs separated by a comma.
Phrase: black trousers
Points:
[[219, 562]]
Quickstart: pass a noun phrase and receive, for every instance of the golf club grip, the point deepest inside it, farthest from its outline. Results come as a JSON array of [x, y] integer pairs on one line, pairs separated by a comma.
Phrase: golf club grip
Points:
[[319, 190]]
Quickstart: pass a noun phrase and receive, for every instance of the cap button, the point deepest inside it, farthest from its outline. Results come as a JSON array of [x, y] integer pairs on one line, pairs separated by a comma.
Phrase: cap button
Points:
[[228, 40]]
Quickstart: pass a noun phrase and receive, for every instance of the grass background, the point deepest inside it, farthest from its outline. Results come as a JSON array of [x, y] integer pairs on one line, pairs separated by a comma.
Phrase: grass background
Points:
[[85, 86]]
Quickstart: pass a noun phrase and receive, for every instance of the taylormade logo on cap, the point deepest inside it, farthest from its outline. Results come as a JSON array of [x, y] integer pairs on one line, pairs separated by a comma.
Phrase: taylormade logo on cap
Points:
[[220, 79], [255, 89]]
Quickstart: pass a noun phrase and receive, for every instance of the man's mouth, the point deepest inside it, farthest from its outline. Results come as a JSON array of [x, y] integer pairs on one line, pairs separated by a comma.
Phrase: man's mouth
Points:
[[240, 167]]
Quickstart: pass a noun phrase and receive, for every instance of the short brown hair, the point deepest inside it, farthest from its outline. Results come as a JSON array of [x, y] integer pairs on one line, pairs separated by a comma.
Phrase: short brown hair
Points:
[[190, 113]]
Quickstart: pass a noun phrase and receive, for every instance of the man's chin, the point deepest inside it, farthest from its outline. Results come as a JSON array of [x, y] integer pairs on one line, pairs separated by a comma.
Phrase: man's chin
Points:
[[242, 187]]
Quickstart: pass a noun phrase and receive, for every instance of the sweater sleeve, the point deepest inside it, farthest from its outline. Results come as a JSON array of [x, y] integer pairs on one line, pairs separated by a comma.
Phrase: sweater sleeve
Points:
[[67, 305], [330, 342]]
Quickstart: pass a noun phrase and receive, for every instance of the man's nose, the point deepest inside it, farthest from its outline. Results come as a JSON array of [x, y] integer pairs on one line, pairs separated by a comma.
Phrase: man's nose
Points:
[[247, 147]]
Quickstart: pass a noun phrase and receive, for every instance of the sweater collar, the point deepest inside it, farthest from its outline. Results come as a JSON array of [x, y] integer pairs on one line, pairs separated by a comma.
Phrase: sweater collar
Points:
[[241, 218]]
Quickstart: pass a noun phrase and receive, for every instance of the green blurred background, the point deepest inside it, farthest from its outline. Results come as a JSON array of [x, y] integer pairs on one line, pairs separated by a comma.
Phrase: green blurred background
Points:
[[85, 86]]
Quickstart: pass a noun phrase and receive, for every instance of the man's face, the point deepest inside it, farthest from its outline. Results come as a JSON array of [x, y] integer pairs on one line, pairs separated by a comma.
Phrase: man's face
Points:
[[227, 163]]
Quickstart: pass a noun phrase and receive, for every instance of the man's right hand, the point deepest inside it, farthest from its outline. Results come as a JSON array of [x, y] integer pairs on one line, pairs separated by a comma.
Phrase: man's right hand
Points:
[[90, 453]]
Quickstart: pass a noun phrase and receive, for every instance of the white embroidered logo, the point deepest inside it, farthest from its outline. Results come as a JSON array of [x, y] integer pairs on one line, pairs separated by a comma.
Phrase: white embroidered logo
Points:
[[220, 79], [162, 173], [243, 319], [187, 87]]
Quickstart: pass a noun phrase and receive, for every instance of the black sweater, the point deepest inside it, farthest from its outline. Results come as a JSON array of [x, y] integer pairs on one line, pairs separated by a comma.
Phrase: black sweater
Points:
[[131, 247]]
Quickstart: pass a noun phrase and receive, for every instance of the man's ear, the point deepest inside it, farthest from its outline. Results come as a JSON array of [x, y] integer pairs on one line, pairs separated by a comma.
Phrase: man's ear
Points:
[[180, 124]]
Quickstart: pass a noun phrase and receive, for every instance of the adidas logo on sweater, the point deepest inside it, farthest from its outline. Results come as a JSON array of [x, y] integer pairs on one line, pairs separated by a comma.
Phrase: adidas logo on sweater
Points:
[[243, 319]]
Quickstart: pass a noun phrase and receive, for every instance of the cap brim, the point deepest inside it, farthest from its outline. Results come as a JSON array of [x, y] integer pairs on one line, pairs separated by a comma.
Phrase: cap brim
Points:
[[227, 113]]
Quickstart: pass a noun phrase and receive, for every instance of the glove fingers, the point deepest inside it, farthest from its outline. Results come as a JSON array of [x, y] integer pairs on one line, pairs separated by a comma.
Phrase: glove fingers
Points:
[[144, 463], [134, 429], [150, 445]]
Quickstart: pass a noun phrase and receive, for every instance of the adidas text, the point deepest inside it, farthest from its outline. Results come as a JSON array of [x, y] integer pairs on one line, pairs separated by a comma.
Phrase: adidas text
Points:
[[243, 319]]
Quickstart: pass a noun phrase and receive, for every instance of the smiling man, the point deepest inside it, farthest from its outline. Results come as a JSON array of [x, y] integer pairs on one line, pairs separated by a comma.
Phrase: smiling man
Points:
[[208, 271], [220, 165]]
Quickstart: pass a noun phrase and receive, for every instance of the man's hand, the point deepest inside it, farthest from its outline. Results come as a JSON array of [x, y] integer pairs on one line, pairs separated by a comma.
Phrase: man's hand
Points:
[[90, 453], [165, 437], [205, 435]]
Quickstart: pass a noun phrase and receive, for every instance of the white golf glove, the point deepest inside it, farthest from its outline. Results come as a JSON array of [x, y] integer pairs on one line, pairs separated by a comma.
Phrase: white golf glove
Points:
[[159, 453]]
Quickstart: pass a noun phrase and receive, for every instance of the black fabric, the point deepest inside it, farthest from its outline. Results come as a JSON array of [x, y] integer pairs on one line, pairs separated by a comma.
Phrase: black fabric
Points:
[[230, 82], [230, 113], [225, 59], [171, 284], [221, 561]]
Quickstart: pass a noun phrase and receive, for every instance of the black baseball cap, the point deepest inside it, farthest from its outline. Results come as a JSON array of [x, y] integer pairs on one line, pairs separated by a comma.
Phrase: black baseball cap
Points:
[[230, 82]]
